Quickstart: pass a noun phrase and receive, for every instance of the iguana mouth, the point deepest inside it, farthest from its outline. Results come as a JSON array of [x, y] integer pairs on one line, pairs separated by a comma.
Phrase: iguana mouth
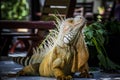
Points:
[[81, 23]]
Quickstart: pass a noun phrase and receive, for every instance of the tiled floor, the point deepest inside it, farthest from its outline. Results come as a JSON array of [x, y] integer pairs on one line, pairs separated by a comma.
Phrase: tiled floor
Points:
[[8, 66]]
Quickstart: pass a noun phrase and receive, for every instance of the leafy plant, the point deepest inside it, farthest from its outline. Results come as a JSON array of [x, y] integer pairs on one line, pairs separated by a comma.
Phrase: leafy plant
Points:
[[95, 34], [113, 27], [14, 9]]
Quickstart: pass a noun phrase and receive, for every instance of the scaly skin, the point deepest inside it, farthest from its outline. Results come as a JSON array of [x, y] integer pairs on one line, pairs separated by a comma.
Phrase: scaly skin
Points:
[[67, 56]]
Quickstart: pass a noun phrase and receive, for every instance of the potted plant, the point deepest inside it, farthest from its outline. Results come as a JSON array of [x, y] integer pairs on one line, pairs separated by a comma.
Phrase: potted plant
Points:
[[95, 36], [113, 45], [14, 10]]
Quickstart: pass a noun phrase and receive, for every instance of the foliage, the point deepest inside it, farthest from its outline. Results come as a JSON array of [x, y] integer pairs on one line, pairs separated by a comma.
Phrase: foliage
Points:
[[113, 27], [95, 34], [94, 30], [14, 9]]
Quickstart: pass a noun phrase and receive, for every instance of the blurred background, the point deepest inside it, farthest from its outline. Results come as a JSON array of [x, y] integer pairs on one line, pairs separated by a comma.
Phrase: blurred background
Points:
[[103, 14]]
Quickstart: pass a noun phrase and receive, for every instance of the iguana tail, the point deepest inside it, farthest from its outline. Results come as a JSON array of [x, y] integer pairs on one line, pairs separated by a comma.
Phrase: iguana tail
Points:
[[35, 58], [22, 60]]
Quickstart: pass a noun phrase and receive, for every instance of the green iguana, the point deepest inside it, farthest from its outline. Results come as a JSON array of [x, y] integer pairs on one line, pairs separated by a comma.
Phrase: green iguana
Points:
[[61, 54]]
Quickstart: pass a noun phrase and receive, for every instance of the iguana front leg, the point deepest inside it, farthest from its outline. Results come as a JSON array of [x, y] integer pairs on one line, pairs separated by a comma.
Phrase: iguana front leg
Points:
[[58, 66], [32, 69], [85, 71]]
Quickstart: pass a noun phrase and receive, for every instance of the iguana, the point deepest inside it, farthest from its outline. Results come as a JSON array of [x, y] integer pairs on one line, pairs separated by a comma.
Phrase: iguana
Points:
[[62, 53]]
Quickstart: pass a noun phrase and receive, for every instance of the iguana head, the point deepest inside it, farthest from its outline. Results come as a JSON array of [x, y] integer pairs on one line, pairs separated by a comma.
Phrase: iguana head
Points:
[[70, 29]]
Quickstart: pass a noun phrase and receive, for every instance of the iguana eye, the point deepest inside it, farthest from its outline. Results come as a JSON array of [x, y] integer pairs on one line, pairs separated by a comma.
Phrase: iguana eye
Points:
[[70, 21]]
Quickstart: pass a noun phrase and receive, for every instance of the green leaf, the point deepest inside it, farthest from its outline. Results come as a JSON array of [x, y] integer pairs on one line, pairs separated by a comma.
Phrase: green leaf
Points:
[[95, 36]]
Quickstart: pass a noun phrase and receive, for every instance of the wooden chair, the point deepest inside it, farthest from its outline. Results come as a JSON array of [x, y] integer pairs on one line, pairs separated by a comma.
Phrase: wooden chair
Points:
[[64, 8], [87, 7]]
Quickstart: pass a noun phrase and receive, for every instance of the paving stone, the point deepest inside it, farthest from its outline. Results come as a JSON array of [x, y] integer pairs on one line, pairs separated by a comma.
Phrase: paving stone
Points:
[[7, 66]]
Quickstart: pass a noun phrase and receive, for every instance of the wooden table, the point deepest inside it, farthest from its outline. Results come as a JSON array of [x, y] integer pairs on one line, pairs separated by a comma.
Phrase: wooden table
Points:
[[26, 24], [12, 24]]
